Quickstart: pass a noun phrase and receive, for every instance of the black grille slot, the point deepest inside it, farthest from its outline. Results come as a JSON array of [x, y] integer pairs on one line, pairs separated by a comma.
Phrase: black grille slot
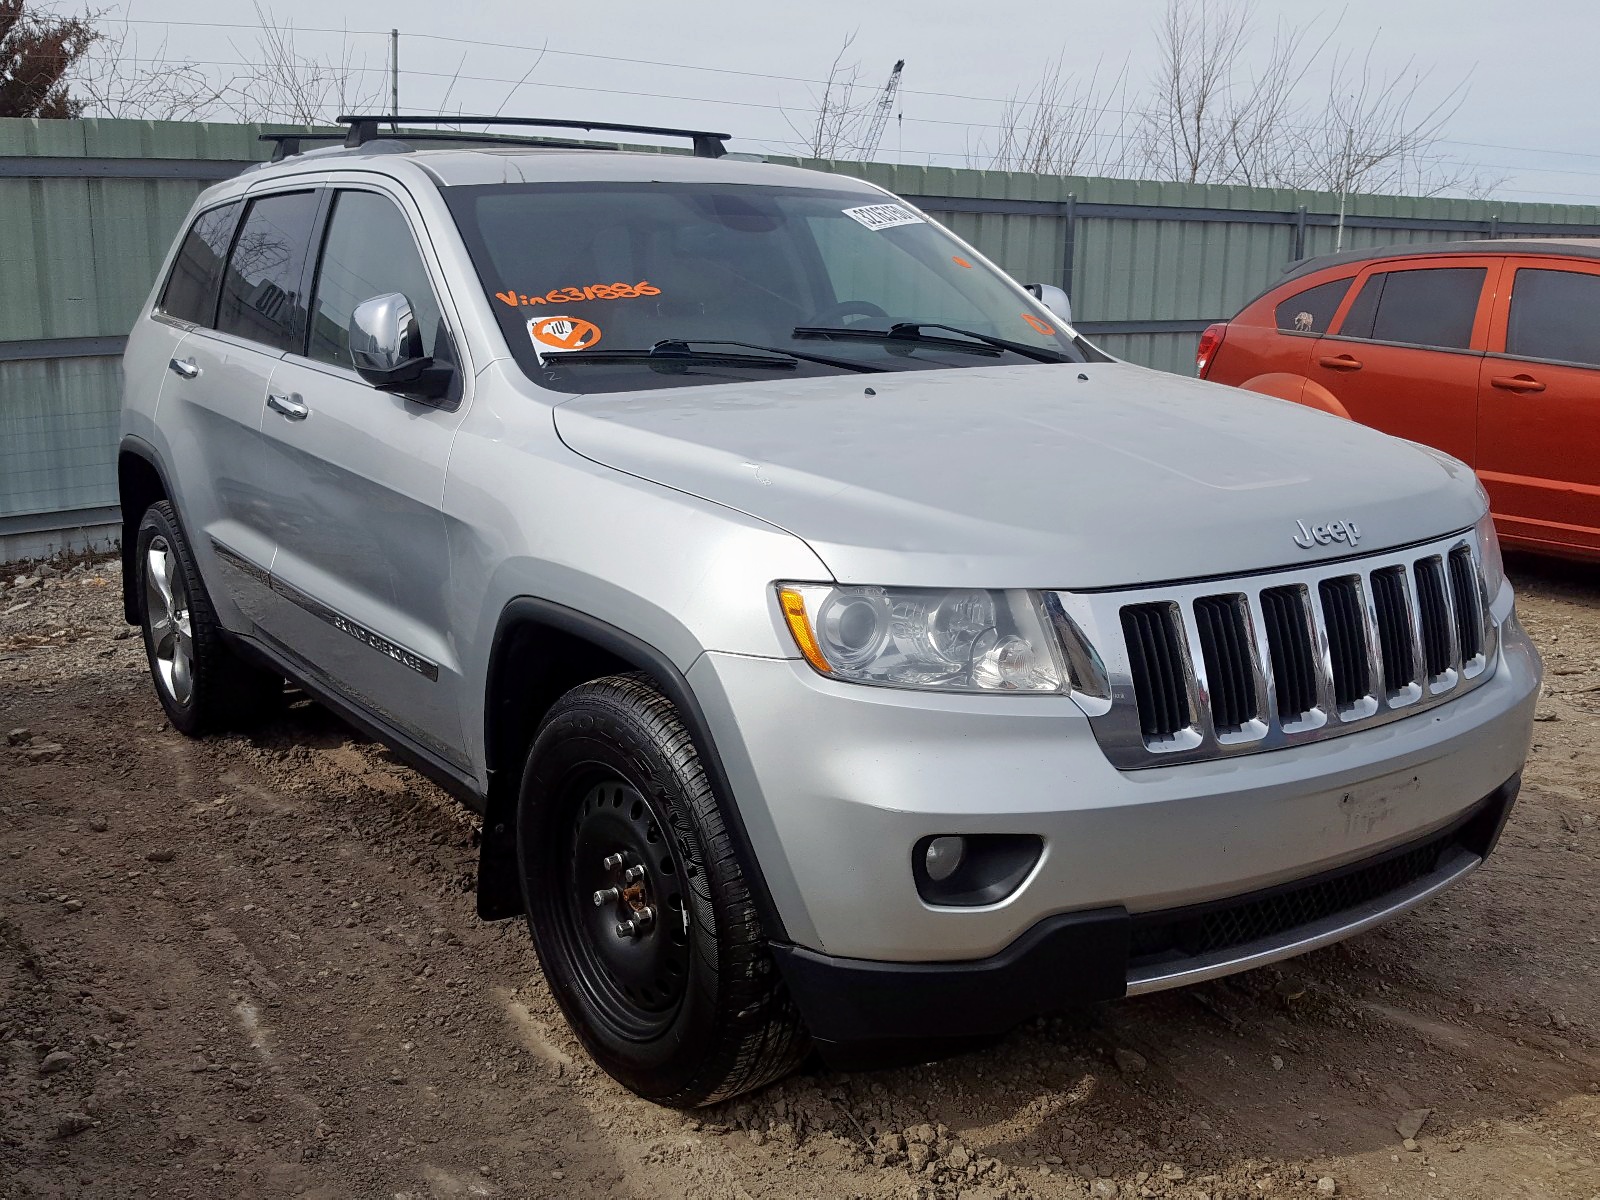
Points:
[[1229, 925], [1342, 612], [1469, 603], [1230, 667], [1294, 674], [1394, 628], [1435, 614], [1160, 680]]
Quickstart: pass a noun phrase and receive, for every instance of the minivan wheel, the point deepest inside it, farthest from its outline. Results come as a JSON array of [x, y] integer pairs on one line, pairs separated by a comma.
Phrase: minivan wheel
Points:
[[637, 905], [203, 686]]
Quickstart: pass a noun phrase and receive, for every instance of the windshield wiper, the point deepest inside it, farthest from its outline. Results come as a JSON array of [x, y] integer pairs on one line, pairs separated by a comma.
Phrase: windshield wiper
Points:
[[672, 352], [911, 333]]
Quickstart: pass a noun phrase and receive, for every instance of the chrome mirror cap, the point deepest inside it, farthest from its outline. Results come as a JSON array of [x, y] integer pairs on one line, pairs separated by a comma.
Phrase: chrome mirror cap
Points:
[[384, 336]]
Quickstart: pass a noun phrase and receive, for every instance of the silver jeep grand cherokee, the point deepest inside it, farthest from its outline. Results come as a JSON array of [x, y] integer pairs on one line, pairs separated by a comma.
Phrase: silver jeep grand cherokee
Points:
[[841, 651]]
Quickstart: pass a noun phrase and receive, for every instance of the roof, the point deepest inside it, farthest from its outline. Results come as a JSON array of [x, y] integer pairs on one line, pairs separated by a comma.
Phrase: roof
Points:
[[533, 164], [1569, 247]]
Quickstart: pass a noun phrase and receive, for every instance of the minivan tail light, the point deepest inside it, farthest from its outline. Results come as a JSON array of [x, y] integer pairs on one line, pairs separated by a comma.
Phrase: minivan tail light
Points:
[[1210, 342]]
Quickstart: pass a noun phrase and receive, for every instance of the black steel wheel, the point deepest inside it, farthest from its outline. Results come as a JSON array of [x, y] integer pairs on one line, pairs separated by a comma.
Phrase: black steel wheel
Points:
[[638, 906], [624, 917]]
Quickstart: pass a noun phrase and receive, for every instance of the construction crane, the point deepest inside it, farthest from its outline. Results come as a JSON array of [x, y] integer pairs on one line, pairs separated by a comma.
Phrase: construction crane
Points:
[[880, 113]]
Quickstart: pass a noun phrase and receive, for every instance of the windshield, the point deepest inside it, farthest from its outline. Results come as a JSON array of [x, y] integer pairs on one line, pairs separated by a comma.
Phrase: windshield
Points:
[[588, 278]]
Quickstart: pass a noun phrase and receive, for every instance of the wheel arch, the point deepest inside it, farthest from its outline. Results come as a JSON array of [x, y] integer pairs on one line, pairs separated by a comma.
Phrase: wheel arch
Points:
[[141, 482], [1287, 386], [541, 650]]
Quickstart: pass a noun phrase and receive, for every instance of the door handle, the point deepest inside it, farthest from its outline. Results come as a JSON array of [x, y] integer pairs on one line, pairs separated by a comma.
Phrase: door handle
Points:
[[290, 406], [184, 368], [1339, 362], [1516, 383]]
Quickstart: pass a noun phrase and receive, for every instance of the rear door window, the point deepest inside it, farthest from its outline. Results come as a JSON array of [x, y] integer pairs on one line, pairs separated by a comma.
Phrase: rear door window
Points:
[[1555, 315], [191, 291], [1432, 306], [1311, 310], [262, 295]]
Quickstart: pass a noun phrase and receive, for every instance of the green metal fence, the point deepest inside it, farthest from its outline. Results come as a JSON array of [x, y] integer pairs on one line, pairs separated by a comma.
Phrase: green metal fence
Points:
[[88, 209]]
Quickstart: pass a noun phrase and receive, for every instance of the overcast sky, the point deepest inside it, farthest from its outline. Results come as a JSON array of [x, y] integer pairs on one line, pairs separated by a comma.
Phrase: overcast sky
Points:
[[1531, 112]]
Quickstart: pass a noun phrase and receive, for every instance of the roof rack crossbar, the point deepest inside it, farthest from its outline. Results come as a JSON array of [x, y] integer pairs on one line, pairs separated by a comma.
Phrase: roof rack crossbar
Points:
[[364, 128]]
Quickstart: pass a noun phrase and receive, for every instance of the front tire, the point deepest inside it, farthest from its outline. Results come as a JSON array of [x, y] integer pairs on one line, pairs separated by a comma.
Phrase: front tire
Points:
[[203, 686], [638, 908]]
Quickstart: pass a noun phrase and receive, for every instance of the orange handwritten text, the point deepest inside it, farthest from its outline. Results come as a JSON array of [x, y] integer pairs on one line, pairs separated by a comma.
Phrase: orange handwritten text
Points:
[[574, 295]]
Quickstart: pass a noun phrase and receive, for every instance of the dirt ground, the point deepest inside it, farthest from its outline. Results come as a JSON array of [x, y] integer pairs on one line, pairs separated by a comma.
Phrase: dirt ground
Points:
[[251, 967]]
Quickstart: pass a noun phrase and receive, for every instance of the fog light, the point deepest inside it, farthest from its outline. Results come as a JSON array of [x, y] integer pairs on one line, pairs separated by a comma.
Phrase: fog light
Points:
[[943, 857]]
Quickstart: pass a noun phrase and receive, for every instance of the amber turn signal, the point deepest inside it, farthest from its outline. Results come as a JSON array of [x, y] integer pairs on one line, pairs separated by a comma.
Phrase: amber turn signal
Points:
[[794, 613]]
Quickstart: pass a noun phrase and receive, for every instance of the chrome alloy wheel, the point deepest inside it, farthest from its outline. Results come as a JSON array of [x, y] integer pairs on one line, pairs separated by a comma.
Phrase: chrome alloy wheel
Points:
[[166, 601]]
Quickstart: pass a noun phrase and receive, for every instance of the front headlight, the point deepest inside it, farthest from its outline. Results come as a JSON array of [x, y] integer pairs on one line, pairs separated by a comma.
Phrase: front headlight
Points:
[[960, 640], [1494, 567]]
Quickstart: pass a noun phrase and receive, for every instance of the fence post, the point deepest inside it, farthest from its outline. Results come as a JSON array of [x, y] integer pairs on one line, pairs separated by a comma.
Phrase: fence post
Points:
[[1299, 233], [1494, 226], [1069, 242]]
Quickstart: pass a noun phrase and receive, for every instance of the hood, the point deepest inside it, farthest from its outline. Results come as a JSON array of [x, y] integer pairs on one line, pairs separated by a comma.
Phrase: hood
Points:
[[1095, 476]]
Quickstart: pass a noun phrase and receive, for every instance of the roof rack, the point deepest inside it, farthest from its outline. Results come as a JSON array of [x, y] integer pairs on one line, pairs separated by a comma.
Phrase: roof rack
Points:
[[288, 144], [364, 128]]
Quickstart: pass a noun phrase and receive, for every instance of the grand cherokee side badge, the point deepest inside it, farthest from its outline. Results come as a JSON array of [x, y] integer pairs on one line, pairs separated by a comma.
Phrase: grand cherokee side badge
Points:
[[1307, 537]]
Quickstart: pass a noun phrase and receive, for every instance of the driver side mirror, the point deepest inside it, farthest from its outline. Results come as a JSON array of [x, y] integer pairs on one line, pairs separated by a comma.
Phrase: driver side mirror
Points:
[[386, 349], [1052, 298]]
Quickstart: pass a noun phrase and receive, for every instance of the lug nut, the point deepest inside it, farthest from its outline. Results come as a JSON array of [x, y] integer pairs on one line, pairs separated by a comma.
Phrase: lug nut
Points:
[[645, 917], [633, 875], [626, 929], [606, 896], [611, 862]]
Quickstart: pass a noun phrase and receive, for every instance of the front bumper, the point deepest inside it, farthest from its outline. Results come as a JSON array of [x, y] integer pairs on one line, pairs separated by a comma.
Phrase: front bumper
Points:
[[1079, 958], [836, 783]]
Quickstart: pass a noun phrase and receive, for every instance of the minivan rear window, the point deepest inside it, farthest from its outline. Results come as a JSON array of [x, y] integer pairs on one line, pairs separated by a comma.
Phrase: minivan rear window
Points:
[[191, 291], [1431, 306], [1311, 311], [1556, 315]]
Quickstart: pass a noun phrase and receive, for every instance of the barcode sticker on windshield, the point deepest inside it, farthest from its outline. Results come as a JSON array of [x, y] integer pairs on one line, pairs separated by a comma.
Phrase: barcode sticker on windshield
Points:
[[883, 216]]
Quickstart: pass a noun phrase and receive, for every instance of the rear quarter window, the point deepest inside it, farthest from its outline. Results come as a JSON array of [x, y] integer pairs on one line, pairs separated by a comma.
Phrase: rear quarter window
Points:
[[1311, 310], [191, 290]]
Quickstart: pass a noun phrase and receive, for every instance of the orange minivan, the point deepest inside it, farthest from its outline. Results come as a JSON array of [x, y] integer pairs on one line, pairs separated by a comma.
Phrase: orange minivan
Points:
[[1489, 350]]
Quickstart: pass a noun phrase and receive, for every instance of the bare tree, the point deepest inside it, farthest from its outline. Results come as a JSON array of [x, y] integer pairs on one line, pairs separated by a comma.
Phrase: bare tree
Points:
[[1377, 135], [1301, 113], [116, 80], [38, 51], [841, 113], [1183, 123], [1059, 126], [272, 79], [282, 84]]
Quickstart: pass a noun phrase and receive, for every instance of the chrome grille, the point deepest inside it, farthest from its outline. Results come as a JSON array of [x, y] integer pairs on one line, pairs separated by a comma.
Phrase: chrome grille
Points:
[[1216, 668]]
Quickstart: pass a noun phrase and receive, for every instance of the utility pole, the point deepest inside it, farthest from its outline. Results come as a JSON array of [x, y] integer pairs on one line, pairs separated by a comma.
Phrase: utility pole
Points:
[[394, 78]]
